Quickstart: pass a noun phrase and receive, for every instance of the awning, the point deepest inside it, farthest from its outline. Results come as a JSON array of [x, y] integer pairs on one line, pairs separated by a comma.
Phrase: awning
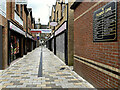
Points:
[[62, 28]]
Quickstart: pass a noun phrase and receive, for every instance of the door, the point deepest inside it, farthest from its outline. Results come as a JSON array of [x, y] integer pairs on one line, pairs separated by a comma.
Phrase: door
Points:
[[0, 47]]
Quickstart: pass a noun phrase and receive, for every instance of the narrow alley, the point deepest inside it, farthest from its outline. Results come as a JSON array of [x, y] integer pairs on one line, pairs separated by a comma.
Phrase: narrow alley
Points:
[[23, 73]]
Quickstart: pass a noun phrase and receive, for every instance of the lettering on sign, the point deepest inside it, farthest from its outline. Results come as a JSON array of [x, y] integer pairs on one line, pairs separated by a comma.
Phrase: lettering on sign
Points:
[[105, 23]]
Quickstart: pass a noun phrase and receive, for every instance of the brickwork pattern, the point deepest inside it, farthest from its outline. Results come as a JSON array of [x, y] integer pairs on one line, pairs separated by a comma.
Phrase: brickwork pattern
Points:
[[10, 10], [95, 77], [102, 52], [60, 19], [4, 23]]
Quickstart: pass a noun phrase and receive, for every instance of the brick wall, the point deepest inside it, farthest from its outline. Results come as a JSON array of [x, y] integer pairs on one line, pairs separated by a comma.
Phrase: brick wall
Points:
[[3, 22], [29, 24], [67, 16], [24, 19], [105, 53], [95, 77], [70, 34]]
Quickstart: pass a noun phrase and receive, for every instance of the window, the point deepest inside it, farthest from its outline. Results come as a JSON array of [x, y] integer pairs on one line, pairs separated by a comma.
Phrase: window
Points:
[[21, 11], [17, 7], [57, 17], [3, 8], [63, 8]]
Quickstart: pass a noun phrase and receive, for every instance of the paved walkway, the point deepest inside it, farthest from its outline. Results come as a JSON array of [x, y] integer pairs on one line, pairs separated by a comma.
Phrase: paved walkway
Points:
[[24, 73]]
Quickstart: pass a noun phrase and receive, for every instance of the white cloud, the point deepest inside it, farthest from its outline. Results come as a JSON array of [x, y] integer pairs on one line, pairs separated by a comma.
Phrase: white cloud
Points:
[[40, 9]]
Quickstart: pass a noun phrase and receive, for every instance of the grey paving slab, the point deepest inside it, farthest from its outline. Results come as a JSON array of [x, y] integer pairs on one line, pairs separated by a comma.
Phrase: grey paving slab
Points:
[[24, 73]]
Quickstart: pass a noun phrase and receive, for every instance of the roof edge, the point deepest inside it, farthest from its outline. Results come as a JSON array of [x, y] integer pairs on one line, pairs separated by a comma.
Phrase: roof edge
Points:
[[75, 4]]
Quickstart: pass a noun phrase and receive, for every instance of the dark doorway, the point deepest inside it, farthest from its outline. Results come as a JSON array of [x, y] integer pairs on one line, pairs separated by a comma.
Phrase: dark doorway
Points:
[[0, 47]]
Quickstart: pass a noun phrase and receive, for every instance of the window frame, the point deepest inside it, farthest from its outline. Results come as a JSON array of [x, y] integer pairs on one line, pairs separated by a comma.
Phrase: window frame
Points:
[[3, 8]]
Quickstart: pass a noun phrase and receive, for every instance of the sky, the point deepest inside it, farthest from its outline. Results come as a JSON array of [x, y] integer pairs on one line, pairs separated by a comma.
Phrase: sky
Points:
[[41, 9]]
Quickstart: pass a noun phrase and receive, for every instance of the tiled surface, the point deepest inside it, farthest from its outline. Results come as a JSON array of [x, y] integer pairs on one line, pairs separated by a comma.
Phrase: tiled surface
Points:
[[24, 73]]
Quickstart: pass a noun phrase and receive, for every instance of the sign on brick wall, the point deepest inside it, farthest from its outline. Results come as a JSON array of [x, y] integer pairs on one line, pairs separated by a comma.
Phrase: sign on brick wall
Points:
[[105, 23]]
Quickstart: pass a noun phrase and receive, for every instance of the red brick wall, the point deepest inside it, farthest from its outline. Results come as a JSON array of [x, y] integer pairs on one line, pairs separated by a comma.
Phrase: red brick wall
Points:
[[29, 24], [95, 77], [24, 19], [102, 52], [3, 22]]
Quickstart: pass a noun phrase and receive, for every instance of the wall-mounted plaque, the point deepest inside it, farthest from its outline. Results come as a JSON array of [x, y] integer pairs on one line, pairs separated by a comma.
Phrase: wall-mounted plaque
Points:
[[105, 23]]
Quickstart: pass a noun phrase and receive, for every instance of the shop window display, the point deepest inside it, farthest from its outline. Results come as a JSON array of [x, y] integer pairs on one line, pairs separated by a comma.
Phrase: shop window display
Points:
[[14, 47]]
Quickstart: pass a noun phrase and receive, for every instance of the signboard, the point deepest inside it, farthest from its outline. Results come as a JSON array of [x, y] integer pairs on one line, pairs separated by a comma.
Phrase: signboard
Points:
[[53, 23], [62, 28], [41, 30], [21, 1], [13, 27], [105, 23]]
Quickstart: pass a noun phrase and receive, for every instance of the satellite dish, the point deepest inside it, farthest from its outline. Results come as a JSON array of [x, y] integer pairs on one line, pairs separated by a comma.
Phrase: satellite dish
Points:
[[53, 23]]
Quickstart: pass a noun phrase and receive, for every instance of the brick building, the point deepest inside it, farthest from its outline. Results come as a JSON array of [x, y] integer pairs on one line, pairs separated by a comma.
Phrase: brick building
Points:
[[97, 42], [3, 35], [15, 31], [61, 40]]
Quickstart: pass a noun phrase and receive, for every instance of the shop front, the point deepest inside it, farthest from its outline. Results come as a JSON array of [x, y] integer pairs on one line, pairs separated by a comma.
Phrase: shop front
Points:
[[16, 39], [50, 43], [60, 42], [15, 46], [34, 42], [29, 43]]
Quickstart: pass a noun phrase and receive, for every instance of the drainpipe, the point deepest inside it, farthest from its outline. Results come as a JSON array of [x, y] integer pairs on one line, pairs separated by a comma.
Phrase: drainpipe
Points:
[[66, 40]]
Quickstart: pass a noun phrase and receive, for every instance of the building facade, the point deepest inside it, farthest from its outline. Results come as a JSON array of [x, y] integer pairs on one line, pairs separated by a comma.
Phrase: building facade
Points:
[[61, 40], [97, 42], [15, 32], [3, 34]]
